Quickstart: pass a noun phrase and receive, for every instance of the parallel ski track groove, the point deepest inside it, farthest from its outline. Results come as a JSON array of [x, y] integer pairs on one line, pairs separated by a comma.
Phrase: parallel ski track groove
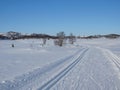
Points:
[[26, 79], [55, 79], [114, 58]]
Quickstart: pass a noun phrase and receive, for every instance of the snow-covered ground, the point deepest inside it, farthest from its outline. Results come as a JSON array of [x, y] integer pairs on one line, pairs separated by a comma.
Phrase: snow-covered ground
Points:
[[89, 64]]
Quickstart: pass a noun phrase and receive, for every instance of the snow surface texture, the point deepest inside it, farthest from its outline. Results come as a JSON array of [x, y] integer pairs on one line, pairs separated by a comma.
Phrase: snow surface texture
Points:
[[87, 65]]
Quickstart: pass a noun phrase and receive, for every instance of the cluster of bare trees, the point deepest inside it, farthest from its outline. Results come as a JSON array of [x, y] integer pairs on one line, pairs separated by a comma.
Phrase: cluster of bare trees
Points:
[[61, 39]]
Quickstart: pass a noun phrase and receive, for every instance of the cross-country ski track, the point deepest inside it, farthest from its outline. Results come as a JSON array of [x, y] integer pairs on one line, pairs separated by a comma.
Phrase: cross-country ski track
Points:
[[90, 68]]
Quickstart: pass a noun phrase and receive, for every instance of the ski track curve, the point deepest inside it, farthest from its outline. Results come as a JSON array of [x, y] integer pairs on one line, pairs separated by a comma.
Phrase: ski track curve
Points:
[[54, 80], [22, 82]]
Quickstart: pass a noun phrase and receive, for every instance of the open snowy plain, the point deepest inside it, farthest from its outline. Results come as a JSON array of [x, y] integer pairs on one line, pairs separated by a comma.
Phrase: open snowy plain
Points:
[[89, 64]]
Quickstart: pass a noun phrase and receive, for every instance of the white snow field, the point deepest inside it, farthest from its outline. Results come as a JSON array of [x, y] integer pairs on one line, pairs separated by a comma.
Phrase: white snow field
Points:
[[89, 64]]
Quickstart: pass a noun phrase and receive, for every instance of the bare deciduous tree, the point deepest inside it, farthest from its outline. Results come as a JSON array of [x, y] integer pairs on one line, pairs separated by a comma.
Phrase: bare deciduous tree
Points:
[[72, 38], [60, 40], [44, 41]]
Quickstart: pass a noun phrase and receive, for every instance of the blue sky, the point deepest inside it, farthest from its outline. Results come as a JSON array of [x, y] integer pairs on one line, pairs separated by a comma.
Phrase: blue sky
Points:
[[81, 17]]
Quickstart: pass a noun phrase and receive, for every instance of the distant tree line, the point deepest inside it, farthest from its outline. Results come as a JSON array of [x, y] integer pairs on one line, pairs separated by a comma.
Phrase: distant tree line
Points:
[[109, 36], [2, 37], [60, 37], [16, 35]]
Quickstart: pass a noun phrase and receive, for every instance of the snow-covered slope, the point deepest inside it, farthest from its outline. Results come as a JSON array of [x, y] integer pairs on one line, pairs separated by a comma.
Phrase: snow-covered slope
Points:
[[87, 65]]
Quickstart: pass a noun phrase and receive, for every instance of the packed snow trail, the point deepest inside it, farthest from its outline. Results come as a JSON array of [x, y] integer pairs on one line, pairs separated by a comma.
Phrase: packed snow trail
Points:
[[96, 71], [90, 68], [34, 79], [54, 80]]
